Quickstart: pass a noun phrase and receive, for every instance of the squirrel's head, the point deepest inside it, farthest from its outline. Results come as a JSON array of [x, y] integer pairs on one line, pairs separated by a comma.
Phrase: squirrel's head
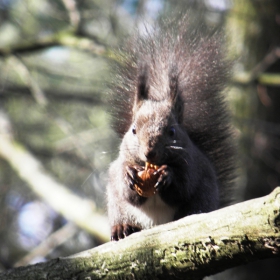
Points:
[[157, 119]]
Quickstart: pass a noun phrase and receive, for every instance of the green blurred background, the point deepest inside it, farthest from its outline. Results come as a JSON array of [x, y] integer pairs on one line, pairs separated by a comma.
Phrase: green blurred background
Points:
[[54, 62]]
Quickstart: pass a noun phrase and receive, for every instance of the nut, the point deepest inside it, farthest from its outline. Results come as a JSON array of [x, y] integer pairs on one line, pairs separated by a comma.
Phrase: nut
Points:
[[146, 187]]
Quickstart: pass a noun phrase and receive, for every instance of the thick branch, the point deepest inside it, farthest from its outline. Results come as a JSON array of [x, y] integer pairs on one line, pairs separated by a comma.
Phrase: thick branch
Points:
[[80, 211], [190, 248]]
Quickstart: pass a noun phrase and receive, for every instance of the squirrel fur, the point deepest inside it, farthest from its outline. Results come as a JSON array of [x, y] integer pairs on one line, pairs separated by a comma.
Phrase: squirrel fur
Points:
[[169, 110]]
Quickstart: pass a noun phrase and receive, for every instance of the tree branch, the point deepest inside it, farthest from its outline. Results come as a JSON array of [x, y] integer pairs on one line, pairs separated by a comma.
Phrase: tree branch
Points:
[[63, 38], [73, 12], [258, 72], [269, 79], [49, 244], [27, 79], [193, 247], [90, 97], [80, 211]]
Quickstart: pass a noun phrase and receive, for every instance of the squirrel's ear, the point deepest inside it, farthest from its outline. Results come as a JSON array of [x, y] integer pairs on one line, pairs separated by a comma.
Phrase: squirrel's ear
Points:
[[142, 84], [175, 99], [173, 85]]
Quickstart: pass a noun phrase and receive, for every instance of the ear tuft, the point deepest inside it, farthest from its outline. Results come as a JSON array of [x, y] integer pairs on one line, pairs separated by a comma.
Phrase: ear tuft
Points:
[[142, 86], [174, 95]]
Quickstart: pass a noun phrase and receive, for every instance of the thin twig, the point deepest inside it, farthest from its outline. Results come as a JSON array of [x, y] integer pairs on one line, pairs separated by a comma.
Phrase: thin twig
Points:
[[67, 39], [48, 245], [257, 73], [73, 12], [28, 80]]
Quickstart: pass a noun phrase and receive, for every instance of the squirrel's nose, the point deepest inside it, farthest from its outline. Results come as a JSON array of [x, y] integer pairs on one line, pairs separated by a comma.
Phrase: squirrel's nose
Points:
[[150, 155]]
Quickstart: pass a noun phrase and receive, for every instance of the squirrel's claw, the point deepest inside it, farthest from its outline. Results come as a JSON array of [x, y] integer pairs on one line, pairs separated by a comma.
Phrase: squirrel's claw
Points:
[[131, 176], [165, 177], [123, 230]]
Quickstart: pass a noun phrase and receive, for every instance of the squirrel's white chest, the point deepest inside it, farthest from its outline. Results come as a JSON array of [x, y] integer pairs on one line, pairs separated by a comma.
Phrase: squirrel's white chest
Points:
[[153, 212]]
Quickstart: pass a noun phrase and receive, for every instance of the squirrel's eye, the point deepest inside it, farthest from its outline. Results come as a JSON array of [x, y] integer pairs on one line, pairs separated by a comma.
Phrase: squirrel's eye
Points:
[[134, 129], [172, 131]]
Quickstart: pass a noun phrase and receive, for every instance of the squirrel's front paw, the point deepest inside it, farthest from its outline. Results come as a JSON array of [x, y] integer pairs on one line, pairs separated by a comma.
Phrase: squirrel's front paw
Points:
[[123, 230], [165, 177], [132, 177]]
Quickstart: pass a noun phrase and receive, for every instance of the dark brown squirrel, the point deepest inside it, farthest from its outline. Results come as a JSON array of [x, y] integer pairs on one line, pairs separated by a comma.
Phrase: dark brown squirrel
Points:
[[170, 111]]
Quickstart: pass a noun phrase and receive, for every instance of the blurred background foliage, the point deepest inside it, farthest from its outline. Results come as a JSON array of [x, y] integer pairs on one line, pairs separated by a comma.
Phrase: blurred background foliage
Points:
[[54, 61]]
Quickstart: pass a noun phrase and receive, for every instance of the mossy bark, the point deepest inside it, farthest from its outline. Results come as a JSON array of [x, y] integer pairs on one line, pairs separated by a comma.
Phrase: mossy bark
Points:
[[193, 247]]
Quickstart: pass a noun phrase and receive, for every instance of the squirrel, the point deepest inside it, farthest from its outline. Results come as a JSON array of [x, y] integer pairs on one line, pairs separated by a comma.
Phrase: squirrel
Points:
[[170, 111]]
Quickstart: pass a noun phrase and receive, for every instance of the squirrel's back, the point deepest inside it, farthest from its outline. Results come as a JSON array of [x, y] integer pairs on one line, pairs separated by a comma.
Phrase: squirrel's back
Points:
[[171, 55]]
